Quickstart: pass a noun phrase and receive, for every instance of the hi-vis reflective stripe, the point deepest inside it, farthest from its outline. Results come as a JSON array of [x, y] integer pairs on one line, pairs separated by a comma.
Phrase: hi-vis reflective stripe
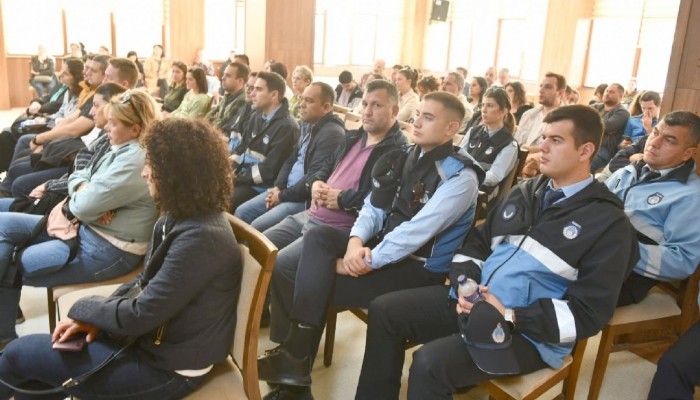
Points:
[[649, 231], [565, 320], [236, 158], [460, 258], [255, 171], [258, 156], [545, 256]]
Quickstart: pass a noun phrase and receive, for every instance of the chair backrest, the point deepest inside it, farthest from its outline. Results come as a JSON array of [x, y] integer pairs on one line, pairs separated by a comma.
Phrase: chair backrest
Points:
[[518, 170], [352, 121], [258, 255]]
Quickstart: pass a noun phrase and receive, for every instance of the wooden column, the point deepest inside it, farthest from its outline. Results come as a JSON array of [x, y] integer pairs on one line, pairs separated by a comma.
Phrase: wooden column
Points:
[[289, 32], [4, 78], [186, 29]]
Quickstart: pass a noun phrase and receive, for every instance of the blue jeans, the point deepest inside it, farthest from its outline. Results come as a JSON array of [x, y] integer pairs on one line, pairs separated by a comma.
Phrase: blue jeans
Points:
[[6, 203], [25, 183], [31, 363], [42, 263], [254, 212]]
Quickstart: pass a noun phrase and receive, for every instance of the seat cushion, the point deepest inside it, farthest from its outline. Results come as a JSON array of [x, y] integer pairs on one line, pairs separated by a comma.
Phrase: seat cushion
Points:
[[520, 386], [657, 304], [225, 382], [66, 301], [59, 291]]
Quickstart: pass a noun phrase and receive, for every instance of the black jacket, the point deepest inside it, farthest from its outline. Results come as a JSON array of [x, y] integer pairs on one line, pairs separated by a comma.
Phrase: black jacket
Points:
[[273, 141], [325, 137], [191, 283], [351, 200], [355, 94]]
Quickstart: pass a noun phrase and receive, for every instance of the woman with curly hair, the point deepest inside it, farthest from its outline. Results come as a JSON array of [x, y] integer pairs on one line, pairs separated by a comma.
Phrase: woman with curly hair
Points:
[[107, 218], [184, 318]]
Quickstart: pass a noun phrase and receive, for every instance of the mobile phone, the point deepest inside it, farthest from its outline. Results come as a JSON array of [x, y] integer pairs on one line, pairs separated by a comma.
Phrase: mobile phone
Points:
[[76, 343]]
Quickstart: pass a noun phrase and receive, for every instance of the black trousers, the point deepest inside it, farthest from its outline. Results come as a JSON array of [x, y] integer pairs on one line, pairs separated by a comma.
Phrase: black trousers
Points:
[[441, 366], [634, 289], [317, 285], [678, 371]]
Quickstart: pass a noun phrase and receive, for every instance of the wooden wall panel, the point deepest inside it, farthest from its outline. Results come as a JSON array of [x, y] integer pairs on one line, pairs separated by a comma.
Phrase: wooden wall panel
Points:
[[678, 93], [4, 75], [560, 34], [18, 86], [289, 33], [186, 29]]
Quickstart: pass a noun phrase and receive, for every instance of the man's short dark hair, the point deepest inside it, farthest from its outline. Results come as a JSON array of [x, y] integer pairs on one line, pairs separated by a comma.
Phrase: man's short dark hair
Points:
[[127, 70], [449, 101], [345, 77], [379, 84], [280, 69], [651, 95], [687, 119], [397, 66], [327, 92], [242, 70], [619, 87], [109, 90], [561, 81], [103, 60], [588, 126], [274, 82], [243, 58]]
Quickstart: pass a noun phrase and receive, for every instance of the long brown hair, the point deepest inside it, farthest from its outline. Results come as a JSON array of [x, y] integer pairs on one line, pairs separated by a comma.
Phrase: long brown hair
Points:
[[500, 96]]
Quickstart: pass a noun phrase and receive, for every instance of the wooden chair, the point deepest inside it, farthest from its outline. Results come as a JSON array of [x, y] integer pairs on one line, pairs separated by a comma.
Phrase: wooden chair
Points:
[[533, 385], [361, 313], [236, 377], [667, 307], [352, 121], [504, 187], [54, 293]]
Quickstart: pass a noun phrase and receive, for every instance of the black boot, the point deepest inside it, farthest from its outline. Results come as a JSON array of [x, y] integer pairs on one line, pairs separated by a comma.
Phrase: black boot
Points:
[[285, 392]]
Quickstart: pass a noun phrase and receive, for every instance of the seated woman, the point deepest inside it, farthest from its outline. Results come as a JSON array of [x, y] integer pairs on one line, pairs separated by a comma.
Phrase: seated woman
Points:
[[178, 89], [196, 102], [492, 143], [184, 318], [518, 99], [111, 202], [155, 71], [476, 94], [408, 99], [301, 78], [64, 101]]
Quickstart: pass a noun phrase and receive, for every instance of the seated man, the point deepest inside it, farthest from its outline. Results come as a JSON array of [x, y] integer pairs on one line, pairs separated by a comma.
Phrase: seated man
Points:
[[422, 205], [454, 83], [239, 124], [529, 132], [551, 258], [338, 189], [615, 117], [678, 371], [642, 124], [660, 193], [348, 93], [233, 80], [267, 142], [321, 134]]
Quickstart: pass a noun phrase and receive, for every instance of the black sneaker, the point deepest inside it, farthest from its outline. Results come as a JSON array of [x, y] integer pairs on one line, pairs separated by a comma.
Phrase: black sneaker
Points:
[[285, 392], [20, 316]]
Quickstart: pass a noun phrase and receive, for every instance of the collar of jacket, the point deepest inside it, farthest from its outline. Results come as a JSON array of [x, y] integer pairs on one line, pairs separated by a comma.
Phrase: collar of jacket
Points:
[[680, 174]]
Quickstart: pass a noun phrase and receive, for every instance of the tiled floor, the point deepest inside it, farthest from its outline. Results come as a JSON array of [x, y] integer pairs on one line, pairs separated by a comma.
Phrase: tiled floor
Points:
[[628, 376]]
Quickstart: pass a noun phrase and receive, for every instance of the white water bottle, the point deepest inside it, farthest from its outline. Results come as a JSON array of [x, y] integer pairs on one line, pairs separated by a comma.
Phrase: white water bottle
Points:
[[469, 289]]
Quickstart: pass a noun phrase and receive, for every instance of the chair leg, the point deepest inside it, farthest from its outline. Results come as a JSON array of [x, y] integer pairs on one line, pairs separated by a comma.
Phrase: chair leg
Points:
[[52, 309], [330, 336], [601, 362]]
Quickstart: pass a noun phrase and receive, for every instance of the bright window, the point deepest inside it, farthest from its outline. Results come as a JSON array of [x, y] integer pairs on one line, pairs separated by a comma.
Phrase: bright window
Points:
[[224, 27], [25, 28], [358, 32], [87, 21], [138, 31]]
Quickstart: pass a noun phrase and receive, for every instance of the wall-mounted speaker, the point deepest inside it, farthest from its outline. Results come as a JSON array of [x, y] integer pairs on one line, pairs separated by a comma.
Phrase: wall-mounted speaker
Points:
[[440, 10]]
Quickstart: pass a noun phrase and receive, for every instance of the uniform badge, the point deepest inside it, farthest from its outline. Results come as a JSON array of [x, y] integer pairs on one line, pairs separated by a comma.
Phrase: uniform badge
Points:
[[266, 139], [655, 198], [425, 198], [509, 212], [375, 183], [572, 230], [489, 150], [471, 145], [498, 335]]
